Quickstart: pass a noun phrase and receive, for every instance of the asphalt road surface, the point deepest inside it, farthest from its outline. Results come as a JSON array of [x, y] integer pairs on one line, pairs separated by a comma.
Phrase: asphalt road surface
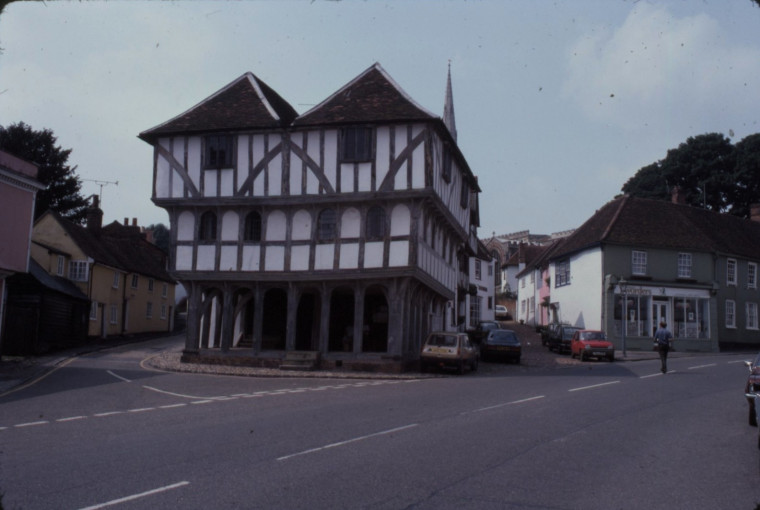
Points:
[[104, 432]]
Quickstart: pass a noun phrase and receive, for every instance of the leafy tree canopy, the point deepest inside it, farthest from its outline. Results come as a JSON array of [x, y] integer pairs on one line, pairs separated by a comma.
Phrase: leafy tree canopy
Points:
[[62, 192], [161, 236], [709, 171]]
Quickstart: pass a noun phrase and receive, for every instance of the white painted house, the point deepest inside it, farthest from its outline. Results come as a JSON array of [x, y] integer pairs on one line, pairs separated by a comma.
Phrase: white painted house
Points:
[[343, 231]]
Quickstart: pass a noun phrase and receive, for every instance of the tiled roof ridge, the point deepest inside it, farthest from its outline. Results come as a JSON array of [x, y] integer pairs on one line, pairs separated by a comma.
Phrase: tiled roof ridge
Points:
[[614, 218]]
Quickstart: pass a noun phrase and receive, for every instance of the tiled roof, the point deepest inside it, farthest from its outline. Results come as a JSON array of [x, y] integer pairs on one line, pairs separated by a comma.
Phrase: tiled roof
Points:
[[246, 103], [371, 97], [119, 247], [56, 283], [649, 223]]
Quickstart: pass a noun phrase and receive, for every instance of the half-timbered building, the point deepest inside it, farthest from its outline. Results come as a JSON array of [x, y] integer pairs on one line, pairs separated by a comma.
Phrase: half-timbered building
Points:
[[345, 231]]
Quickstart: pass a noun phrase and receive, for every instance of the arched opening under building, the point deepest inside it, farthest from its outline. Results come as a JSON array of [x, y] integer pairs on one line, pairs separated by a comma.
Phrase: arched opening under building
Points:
[[307, 322], [375, 321], [275, 320], [243, 333], [341, 336], [211, 318]]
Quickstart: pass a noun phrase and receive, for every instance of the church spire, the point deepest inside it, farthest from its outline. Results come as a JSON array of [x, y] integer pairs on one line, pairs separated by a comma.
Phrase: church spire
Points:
[[448, 108]]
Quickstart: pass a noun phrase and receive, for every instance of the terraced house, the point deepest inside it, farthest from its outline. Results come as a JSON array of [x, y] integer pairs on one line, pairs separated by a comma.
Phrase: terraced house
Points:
[[345, 231]]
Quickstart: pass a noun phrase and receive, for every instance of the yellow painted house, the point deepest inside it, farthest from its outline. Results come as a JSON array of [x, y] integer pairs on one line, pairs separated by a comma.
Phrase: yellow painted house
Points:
[[124, 276]]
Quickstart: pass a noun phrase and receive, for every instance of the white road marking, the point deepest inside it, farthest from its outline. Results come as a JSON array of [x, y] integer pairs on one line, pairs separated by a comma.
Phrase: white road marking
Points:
[[178, 394], [648, 376], [142, 410], [593, 386], [343, 443], [31, 424], [118, 376], [110, 413], [506, 404], [172, 406], [702, 366], [71, 418], [736, 361], [137, 496]]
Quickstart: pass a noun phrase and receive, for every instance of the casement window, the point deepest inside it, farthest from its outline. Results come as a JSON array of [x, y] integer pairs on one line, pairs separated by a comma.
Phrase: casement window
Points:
[[135, 279], [116, 278], [475, 310], [464, 199], [114, 314], [149, 310], [207, 232], [446, 164], [684, 265], [490, 303], [219, 151], [93, 310], [165, 290], [356, 144], [752, 316], [252, 227], [751, 275], [61, 265], [730, 313], [562, 273], [731, 272], [326, 225], [78, 270], [638, 262], [477, 269], [163, 312], [150, 284], [375, 223]]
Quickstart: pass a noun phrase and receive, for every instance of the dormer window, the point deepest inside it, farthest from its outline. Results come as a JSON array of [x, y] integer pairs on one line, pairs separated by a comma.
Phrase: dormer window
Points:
[[218, 151], [356, 144]]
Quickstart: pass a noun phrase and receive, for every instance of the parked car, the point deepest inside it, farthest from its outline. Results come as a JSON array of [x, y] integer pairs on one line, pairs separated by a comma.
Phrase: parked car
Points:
[[752, 386], [501, 344], [588, 343], [481, 330], [559, 340], [501, 312], [444, 349]]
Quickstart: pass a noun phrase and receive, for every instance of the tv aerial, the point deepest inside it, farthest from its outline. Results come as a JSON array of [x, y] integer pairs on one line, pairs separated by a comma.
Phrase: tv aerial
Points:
[[101, 184]]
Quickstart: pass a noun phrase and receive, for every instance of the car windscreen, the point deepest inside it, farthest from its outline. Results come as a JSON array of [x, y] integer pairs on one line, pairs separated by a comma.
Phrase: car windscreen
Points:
[[592, 335], [485, 326], [442, 340], [503, 338], [567, 333]]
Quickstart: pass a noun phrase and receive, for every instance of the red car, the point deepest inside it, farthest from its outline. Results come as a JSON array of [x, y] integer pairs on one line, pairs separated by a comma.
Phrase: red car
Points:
[[588, 343], [752, 387]]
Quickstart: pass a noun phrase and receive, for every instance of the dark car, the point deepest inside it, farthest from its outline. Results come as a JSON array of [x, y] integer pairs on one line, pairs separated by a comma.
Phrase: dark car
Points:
[[752, 387], [482, 329], [560, 338], [501, 344]]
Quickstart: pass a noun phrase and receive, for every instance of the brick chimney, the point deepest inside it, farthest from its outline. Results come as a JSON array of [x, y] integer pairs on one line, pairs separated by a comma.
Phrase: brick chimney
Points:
[[754, 212], [676, 196], [94, 216]]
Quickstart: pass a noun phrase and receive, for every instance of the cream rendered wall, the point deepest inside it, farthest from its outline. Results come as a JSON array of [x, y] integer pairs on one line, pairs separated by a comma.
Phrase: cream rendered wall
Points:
[[580, 303]]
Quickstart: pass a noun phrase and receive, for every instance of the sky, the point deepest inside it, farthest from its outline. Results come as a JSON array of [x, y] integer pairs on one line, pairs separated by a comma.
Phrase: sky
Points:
[[557, 103]]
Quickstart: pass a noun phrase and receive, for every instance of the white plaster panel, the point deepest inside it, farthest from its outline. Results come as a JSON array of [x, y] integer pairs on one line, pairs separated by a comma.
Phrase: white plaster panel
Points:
[[313, 150], [382, 153], [312, 183], [258, 185], [350, 223], [194, 159], [178, 185], [399, 253], [347, 178], [296, 176], [301, 226], [209, 183], [162, 178], [373, 254], [580, 301], [323, 256], [349, 256], [228, 259], [185, 226], [230, 223], [299, 258], [227, 183], [331, 153], [242, 158], [400, 221], [206, 258], [274, 258], [275, 176], [365, 176], [251, 258], [400, 140], [276, 226], [400, 180], [418, 167], [184, 260]]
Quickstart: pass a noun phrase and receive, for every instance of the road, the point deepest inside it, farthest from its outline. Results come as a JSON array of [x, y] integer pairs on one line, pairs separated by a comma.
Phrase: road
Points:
[[104, 432]]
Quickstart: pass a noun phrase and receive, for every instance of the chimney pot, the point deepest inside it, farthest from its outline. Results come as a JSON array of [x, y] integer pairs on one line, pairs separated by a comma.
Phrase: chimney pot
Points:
[[134, 222], [126, 222]]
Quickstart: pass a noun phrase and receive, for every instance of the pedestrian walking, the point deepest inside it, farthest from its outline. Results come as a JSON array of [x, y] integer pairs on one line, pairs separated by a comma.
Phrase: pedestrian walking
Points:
[[664, 339]]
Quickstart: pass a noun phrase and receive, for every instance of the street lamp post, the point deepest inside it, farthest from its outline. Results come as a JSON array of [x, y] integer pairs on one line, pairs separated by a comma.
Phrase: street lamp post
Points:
[[623, 290]]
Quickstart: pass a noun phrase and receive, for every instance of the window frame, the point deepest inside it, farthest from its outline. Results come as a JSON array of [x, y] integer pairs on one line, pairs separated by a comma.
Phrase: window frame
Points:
[[751, 275], [252, 227], [79, 270], [730, 313], [149, 310], [376, 223], [562, 273], [213, 145], [135, 281], [731, 272], [478, 269], [93, 310], [116, 278], [446, 163], [327, 228], [165, 290], [751, 312], [356, 144], [114, 319], [207, 227], [684, 265], [639, 267], [61, 269]]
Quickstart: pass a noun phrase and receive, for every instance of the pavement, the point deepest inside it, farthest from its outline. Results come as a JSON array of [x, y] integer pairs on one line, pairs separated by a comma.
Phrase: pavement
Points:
[[16, 372]]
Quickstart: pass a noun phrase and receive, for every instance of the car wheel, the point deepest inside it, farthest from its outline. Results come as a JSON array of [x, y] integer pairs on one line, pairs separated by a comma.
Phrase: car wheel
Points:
[[752, 415], [582, 356], [611, 358]]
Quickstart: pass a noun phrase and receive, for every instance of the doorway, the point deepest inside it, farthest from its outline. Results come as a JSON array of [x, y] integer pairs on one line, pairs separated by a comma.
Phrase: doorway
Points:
[[660, 313]]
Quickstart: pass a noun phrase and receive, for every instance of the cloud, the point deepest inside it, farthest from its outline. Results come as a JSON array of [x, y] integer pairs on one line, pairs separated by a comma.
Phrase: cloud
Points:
[[657, 68]]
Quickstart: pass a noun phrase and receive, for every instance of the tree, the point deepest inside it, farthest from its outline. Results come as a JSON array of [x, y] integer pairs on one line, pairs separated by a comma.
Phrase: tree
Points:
[[161, 236], [62, 192], [709, 171]]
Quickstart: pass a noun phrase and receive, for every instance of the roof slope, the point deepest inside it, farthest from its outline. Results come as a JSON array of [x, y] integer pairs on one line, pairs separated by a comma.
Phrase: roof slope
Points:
[[56, 283], [659, 224], [371, 97], [245, 103]]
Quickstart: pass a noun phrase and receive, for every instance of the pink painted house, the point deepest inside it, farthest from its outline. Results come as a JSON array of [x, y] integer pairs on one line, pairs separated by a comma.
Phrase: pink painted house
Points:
[[18, 190]]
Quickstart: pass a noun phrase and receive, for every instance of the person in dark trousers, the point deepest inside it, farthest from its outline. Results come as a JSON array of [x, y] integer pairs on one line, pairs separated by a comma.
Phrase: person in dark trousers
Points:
[[664, 339]]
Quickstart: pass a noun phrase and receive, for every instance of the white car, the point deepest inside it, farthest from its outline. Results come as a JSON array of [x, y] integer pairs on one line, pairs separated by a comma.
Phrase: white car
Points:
[[501, 312]]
